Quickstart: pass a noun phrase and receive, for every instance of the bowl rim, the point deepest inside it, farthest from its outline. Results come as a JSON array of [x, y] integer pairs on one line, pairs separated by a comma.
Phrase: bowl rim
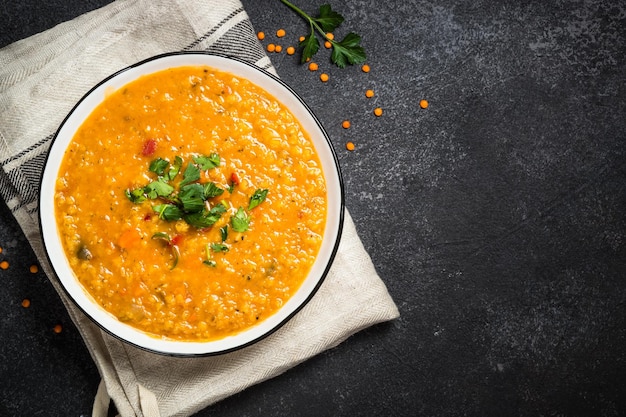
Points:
[[336, 172]]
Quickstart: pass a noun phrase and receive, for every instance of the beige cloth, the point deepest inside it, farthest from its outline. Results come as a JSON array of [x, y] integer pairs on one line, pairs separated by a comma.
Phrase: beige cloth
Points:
[[40, 80]]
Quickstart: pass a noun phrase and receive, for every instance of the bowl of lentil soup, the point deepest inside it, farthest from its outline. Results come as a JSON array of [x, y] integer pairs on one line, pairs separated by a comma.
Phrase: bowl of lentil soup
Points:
[[191, 204]]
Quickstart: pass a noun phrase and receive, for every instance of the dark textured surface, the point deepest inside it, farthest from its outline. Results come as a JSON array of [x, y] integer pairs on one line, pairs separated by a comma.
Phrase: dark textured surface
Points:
[[496, 217]]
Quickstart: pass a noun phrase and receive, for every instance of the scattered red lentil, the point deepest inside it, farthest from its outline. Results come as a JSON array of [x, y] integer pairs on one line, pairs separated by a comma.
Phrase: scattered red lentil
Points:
[[346, 124], [4, 265], [378, 111], [25, 303], [280, 33], [260, 35], [291, 50], [278, 49], [329, 35], [350, 146], [0, 249], [365, 68], [423, 104], [327, 45], [271, 47], [301, 38], [313, 66], [324, 77], [33, 269], [369, 93], [57, 329]]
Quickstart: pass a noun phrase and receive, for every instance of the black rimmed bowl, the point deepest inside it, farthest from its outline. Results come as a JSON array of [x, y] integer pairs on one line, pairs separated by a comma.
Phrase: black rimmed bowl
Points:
[[132, 335]]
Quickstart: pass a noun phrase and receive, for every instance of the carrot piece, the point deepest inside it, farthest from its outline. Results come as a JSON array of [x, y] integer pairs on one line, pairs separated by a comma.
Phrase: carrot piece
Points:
[[128, 238]]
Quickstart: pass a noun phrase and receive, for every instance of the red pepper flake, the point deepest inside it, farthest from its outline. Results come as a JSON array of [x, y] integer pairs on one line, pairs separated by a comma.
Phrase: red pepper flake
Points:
[[149, 147], [176, 240], [147, 217], [234, 178]]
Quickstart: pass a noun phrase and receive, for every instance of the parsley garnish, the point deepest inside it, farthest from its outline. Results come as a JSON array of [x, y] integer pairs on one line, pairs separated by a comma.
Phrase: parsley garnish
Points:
[[212, 190], [191, 197], [219, 247], [224, 232], [189, 200], [257, 198], [157, 189], [136, 196], [207, 162], [240, 221], [168, 212], [346, 51], [158, 166], [191, 174]]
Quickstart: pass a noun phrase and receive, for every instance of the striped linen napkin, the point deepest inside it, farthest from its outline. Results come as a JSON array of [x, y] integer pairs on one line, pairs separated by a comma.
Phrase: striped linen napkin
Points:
[[41, 78]]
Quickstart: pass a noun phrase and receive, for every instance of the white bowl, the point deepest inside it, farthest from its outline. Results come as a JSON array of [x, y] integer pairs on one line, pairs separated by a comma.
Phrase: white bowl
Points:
[[129, 334]]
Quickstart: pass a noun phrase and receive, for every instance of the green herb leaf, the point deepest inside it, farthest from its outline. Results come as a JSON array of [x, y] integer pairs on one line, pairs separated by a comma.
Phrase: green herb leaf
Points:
[[212, 190], [158, 189], [210, 262], [162, 236], [158, 166], [168, 212], [240, 221], [224, 232], [257, 198], [135, 196], [207, 162], [175, 168], [191, 174], [191, 197], [219, 247], [205, 218], [348, 51], [310, 45], [328, 19]]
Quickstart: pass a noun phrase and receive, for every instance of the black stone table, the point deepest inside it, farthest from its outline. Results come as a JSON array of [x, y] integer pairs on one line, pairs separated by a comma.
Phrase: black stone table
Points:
[[496, 217]]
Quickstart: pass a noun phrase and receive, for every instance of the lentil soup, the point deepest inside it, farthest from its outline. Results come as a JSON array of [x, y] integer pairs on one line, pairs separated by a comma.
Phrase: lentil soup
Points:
[[191, 204]]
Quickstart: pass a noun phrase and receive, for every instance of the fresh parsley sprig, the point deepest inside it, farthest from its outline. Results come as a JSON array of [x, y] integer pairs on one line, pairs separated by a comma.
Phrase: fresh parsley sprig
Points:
[[189, 201], [347, 51]]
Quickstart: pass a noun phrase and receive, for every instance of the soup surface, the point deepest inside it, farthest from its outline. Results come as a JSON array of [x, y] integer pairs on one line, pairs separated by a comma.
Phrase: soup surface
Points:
[[191, 204]]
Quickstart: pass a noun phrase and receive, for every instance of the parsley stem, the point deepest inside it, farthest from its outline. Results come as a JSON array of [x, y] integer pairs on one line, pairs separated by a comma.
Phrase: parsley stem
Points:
[[308, 18]]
